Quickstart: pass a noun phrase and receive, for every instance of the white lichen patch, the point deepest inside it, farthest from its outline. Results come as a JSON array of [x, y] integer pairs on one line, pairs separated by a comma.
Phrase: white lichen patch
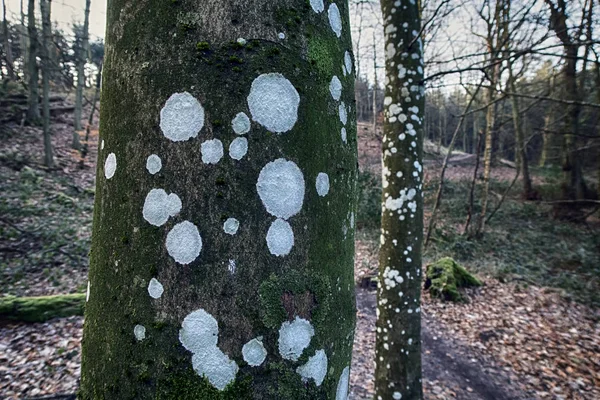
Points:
[[348, 62], [159, 206], [153, 164], [397, 396], [317, 5], [212, 151], [281, 35], [110, 166], [240, 124], [335, 88], [155, 288], [182, 117], [342, 386], [322, 184], [344, 135], [216, 366], [273, 102], [140, 332], [199, 330], [87, 292], [184, 242], [315, 368], [238, 148], [254, 352], [335, 19], [231, 226], [281, 187], [280, 238], [294, 337], [343, 113]]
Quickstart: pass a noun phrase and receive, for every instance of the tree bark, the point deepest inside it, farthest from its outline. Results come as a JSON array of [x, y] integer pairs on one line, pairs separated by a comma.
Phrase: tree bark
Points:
[[203, 263], [45, 8], [33, 110], [8, 58], [81, 61], [398, 337], [374, 85]]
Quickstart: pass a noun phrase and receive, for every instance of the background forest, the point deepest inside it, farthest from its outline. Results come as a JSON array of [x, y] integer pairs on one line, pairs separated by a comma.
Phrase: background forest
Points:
[[512, 188]]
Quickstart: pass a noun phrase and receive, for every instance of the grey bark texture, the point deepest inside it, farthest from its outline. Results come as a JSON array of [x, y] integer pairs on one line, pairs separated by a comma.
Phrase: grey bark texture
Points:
[[33, 107], [82, 52], [45, 8]]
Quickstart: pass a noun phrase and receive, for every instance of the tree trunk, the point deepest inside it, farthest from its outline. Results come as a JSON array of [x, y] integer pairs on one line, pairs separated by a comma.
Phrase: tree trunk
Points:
[[81, 61], [223, 275], [374, 85], [10, 68], [398, 337], [45, 7], [490, 124], [33, 108]]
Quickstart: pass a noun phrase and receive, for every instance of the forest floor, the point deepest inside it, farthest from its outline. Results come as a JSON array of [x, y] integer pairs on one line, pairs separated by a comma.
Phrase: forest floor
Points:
[[531, 332]]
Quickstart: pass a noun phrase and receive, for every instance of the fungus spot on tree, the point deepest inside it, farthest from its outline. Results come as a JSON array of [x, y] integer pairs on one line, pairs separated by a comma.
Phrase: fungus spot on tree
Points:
[[280, 186], [231, 226], [158, 206], [212, 151], [335, 20], [273, 102], [280, 238], [254, 352], [184, 242], [238, 148], [335, 88], [182, 117], [240, 123], [317, 5], [294, 337], [140, 332], [315, 368], [342, 386], [322, 184], [153, 164], [155, 288], [110, 166]]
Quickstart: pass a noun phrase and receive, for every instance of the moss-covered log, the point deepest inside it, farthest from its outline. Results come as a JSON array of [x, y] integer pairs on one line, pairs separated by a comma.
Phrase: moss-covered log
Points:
[[42, 308], [445, 277], [222, 252]]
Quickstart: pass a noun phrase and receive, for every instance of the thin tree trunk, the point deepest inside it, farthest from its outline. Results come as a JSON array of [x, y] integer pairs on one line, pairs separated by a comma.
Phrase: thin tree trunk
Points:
[[398, 337], [8, 58], [45, 8], [374, 84], [473, 184], [215, 273], [81, 61], [33, 108], [88, 128]]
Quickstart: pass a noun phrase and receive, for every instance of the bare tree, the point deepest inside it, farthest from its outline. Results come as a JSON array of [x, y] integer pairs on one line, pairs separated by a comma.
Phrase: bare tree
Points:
[[81, 59], [33, 107], [45, 8]]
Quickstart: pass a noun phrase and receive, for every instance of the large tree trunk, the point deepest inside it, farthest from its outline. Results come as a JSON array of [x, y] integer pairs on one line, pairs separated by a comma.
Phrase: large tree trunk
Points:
[[81, 61], [204, 263], [33, 108], [398, 347], [45, 8]]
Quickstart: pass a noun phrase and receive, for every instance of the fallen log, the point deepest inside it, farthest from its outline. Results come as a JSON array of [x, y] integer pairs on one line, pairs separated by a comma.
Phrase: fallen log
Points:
[[42, 308]]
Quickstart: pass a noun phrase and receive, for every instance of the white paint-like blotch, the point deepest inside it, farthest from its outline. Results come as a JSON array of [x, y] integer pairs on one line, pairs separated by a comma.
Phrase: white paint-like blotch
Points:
[[212, 151], [348, 62], [273, 102], [159, 206], [238, 148], [241, 124], [87, 293], [231, 226], [344, 135], [140, 332], [182, 117], [335, 20], [294, 337], [110, 166], [343, 113], [335, 88], [231, 266], [280, 186], [317, 5], [281, 35], [280, 238], [199, 334], [254, 352], [342, 387], [153, 164], [184, 242], [102, 145], [155, 288], [397, 396], [322, 184], [315, 368]]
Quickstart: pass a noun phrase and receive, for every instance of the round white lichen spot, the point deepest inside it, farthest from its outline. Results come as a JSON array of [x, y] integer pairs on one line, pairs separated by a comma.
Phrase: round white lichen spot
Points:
[[199, 330], [294, 337], [335, 20], [231, 226], [397, 396], [322, 184], [102, 145], [238, 148], [348, 62], [254, 352], [182, 117], [140, 332], [159, 206], [241, 123], [280, 186], [153, 164], [273, 102], [110, 166], [212, 151], [280, 238], [344, 135], [315, 368], [342, 387], [155, 288], [335, 88], [343, 113], [184, 242], [317, 5], [87, 292], [215, 366], [281, 35]]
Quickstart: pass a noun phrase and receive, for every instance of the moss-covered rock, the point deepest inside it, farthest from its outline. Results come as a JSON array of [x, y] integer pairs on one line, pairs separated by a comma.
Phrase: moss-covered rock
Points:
[[445, 277]]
